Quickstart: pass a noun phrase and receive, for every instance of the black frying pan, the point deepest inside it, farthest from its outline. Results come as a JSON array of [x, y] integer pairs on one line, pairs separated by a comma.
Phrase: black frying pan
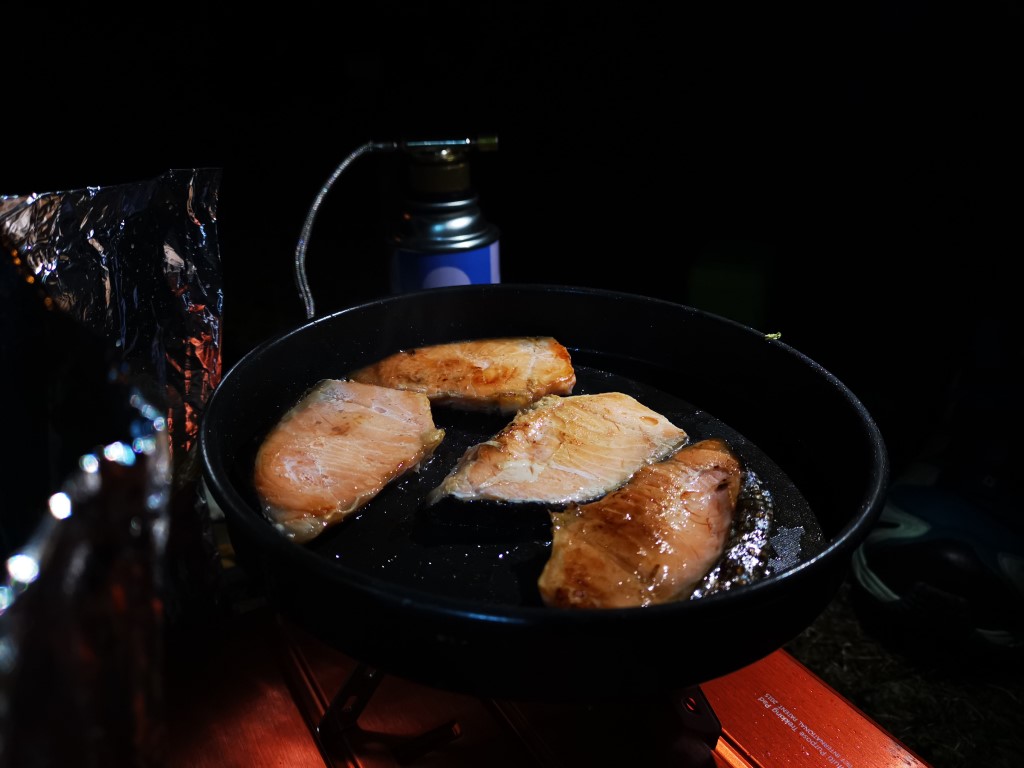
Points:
[[447, 597]]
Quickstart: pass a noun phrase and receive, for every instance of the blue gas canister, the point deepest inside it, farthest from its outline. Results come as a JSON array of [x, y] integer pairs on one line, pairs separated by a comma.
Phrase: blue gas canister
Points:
[[441, 236]]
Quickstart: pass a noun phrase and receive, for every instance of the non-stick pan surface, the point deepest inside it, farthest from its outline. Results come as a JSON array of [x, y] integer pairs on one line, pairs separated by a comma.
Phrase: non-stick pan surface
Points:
[[447, 596]]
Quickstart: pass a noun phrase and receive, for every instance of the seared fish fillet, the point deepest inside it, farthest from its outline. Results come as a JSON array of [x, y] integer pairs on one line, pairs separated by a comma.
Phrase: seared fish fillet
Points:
[[336, 449], [502, 374], [651, 541], [563, 449]]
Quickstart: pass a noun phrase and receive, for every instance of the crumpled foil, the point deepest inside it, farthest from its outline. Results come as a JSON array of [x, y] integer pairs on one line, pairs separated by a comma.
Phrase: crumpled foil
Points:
[[119, 281], [110, 346], [139, 264], [80, 618]]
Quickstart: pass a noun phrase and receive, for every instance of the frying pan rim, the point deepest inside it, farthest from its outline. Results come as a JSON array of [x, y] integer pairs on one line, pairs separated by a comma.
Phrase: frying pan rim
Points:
[[271, 540]]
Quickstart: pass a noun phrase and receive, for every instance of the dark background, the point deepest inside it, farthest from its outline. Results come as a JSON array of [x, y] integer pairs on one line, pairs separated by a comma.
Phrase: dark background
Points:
[[845, 174]]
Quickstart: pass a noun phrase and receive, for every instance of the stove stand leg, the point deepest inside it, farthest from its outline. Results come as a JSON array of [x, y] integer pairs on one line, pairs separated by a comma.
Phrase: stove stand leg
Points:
[[413, 749], [697, 715], [342, 715], [701, 729], [348, 703]]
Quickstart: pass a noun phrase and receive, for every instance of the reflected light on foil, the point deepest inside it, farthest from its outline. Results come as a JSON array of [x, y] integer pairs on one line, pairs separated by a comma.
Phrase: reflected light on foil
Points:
[[60, 506], [119, 453], [156, 501], [143, 445], [8, 652], [148, 411], [23, 568]]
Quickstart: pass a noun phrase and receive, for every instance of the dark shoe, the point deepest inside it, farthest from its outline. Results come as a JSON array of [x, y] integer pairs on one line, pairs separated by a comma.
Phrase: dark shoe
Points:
[[940, 575]]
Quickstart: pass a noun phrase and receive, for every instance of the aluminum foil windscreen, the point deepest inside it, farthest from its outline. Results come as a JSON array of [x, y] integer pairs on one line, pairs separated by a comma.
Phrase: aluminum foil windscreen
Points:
[[138, 264], [110, 346], [80, 604], [118, 281]]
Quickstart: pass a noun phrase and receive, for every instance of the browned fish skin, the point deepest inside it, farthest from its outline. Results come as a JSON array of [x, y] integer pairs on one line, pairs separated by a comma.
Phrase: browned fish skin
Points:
[[563, 449], [336, 449], [651, 541], [501, 374]]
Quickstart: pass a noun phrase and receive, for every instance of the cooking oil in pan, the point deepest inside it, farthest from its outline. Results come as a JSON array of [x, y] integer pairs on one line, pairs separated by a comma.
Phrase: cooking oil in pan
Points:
[[495, 551]]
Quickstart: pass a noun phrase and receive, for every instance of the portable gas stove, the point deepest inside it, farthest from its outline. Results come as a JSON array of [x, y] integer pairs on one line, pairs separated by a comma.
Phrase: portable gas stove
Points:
[[266, 693]]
